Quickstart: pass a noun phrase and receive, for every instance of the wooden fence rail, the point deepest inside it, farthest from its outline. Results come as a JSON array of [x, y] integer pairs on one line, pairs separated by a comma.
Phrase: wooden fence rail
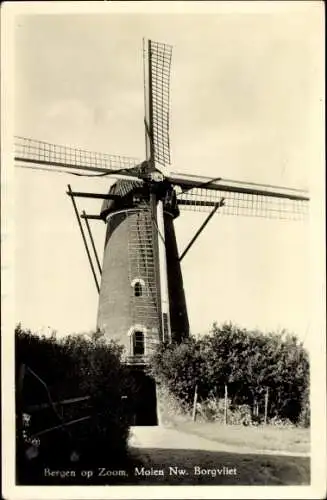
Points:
[[53, 405], [32, 408]]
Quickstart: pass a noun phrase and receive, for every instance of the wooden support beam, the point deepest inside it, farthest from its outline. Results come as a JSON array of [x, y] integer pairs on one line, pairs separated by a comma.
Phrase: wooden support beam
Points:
[[199, 231], [70, 192], [89, 216], [92, 242], [100, 196]]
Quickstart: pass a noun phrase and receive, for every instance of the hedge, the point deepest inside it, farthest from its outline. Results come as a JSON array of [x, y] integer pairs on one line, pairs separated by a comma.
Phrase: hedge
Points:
[[248, 362], [72, 367]]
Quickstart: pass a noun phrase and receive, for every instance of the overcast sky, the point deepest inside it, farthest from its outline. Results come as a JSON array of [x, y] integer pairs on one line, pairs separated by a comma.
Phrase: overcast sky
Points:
[[243, 100]]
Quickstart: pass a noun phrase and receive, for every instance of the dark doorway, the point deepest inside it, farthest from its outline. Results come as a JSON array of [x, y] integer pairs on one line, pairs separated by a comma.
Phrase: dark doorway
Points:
[[143, 399]]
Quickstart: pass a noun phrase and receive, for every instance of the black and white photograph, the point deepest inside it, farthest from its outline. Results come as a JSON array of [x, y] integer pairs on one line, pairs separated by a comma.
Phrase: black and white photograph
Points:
[[163, 258]]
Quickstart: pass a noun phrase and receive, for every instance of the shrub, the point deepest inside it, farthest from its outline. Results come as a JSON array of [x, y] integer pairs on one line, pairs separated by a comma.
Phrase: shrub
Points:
[[247, 362], [280, 422], [214, 410], [74, 367], [240, 415], [171, 409]]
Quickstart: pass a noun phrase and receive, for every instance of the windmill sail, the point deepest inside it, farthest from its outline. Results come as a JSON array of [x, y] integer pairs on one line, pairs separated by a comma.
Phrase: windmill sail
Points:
[[240, 198], [157, 62], [30, 151], [157, 94], [244, 204]]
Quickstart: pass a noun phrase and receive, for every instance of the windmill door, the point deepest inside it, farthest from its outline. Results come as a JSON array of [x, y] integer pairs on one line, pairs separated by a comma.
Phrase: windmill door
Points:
[[143, 408]]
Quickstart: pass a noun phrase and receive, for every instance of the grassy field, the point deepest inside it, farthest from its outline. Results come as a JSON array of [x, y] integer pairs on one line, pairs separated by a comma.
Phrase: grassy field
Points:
[[257, 438]]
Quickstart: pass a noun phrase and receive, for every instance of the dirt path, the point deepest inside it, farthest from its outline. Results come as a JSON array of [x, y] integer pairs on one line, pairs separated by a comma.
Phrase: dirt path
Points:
[[170, 457], [163, 437]]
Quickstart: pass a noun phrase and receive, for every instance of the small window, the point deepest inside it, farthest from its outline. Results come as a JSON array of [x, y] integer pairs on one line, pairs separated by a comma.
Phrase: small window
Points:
[[138, 292], [138, 286], [138, 343]]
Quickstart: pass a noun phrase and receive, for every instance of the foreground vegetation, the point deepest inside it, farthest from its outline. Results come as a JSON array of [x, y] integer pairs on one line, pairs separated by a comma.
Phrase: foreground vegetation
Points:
[[75, 398], [93, 427], [263, 374]]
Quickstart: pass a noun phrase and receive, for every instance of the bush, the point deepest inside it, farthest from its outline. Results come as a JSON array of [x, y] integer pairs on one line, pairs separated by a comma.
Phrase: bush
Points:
[[280, 422], [214, 410], [247, 362], [73, 367], [171, 409], [240, 415]]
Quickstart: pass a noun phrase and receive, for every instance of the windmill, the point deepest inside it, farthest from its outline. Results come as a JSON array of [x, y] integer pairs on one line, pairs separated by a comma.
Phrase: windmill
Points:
[[141, 295]]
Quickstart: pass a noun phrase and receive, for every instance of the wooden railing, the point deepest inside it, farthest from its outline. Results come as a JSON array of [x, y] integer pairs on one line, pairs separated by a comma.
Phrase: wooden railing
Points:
[[138, 359], [32, 408], [54, 406]]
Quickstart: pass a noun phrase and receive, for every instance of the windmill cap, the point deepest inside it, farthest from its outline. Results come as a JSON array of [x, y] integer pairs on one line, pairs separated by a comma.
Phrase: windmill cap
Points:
[[123, 190]]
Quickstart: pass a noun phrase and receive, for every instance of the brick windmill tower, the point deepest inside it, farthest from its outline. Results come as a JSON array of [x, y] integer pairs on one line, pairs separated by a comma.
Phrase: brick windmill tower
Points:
[[141, 295]]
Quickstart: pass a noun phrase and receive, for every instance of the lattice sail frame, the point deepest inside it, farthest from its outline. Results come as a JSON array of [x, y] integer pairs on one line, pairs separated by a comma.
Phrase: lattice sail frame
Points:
[[54, 155], [30, 151], [158, 55], [243, 204]]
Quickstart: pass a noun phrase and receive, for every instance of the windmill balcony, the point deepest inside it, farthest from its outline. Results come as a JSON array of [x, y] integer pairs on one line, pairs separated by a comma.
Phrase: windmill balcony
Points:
[[136, 359]]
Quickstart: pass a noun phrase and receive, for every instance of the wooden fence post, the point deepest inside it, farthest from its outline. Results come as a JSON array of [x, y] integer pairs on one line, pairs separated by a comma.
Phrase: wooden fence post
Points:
[[266, 404], [226, 403], [195, 403]]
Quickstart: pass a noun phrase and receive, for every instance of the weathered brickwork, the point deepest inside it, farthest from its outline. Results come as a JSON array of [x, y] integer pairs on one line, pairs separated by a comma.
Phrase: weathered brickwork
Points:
[[130, 254]]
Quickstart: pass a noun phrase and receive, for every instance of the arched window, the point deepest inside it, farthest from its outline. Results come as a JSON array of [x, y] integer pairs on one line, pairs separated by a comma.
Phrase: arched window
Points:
[[138, 343], [138, 287], [137, 335], [138, 292]]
